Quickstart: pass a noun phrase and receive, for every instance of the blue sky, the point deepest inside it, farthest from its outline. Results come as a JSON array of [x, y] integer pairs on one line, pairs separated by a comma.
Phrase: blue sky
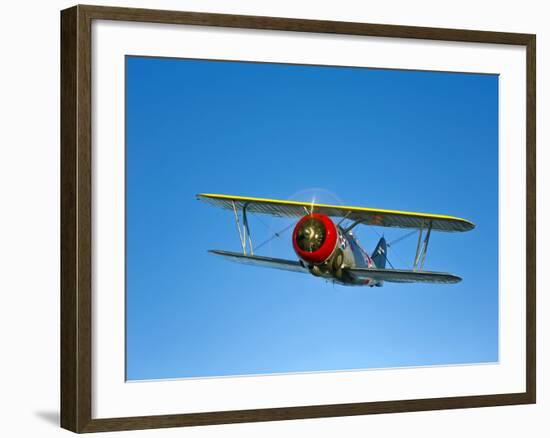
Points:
[[407, 140]]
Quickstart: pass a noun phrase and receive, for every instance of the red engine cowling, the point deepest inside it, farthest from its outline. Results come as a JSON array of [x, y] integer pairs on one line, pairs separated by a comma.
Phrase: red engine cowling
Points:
[[314, 238]]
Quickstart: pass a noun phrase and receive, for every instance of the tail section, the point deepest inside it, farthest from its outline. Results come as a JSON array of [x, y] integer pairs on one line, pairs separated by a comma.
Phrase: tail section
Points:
[[379, 254]]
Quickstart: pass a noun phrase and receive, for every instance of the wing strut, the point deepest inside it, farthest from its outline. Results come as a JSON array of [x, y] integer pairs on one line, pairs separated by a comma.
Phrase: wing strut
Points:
[[422, 248], [353, 225], [244, 230]]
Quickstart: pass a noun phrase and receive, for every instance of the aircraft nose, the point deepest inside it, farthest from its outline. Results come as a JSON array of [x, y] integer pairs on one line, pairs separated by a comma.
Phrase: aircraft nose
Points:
[[314, 238], [310, 235]]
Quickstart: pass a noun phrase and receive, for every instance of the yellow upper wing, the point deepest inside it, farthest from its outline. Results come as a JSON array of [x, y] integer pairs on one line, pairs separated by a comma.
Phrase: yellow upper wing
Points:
[[369, 216]]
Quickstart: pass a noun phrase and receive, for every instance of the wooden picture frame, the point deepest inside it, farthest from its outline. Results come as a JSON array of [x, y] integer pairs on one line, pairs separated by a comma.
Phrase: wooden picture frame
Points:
[[76, 218]]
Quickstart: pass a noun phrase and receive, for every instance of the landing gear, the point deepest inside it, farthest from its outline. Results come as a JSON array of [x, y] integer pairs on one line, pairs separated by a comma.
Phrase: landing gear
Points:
[[332, 268], [337, 262]]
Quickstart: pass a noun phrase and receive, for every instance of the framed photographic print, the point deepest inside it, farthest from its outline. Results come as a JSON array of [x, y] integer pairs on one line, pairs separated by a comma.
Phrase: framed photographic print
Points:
[[270, 218]]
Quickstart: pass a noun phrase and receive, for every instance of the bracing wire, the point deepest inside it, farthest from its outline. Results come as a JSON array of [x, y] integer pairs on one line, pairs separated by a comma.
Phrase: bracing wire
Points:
[[274, 236], [399, 239], [388, 260]]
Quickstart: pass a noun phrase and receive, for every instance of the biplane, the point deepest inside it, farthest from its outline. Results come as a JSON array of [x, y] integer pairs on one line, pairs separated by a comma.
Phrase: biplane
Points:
[[328, 249]]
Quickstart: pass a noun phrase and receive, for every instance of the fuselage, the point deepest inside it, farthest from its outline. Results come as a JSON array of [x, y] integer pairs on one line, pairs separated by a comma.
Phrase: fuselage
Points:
[[326, 248]]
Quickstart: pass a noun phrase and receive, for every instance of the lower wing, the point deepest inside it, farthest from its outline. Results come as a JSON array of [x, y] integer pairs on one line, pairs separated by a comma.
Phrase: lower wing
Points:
[[389, 275], [404, 276], [267, 262]]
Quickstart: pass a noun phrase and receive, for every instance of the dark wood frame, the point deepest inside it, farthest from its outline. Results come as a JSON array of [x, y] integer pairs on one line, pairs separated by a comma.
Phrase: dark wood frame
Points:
[[76, 236]]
